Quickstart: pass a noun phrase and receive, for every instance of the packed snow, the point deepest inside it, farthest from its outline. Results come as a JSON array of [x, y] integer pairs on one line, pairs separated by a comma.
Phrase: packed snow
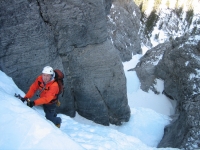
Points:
[[23, 127], [139, 98]]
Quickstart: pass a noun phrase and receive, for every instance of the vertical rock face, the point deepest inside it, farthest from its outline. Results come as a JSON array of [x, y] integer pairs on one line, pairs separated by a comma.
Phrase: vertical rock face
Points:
[[124, 24], [75, 23], [145, 69], [70, 35], [27, 44], [181, 71], [177, 63], [97, 80]]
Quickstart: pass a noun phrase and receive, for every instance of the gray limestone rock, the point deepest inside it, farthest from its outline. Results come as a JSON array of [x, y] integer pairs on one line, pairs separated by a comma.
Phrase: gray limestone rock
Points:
[[97, 79], [75, 23], [145, 69], [123, 27], [178, 64], [26, 43], [180, 69]]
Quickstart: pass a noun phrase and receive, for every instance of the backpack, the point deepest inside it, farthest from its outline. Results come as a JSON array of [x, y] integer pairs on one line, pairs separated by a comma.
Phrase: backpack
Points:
[[59, 79]]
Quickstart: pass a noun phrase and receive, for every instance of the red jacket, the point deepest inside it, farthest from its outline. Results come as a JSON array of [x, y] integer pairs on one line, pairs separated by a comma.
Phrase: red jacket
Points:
[[47, 94]]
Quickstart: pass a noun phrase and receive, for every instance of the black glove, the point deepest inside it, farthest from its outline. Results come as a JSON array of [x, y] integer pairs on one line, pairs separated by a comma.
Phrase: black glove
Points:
[[31, 103], [24, 99]]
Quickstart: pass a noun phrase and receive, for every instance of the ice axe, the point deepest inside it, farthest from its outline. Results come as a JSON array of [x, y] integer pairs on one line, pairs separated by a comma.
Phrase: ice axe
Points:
[[21, 98]]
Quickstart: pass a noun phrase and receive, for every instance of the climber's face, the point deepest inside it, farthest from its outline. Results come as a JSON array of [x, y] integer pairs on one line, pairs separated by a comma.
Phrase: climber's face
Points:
[[46, 77]]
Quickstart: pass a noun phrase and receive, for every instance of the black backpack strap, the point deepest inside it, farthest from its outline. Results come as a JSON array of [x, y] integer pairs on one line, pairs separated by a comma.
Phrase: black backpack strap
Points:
[[39, 84]]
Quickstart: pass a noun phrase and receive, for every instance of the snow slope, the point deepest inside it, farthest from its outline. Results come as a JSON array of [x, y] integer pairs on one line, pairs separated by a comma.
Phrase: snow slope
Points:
[[26, 128]]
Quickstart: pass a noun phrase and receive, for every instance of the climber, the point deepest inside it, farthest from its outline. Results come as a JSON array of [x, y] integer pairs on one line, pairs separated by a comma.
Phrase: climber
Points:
[[47, 94]]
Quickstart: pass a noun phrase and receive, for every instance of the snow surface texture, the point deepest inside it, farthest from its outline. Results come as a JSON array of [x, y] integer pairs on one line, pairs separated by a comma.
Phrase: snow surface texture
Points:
[[27, 128]]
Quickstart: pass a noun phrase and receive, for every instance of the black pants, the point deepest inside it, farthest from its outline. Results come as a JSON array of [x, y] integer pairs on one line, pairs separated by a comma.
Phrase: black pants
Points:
[[50, 113]]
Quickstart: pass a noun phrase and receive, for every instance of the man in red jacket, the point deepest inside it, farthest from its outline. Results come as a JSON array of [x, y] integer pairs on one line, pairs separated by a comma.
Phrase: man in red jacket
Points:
[[48, 94]]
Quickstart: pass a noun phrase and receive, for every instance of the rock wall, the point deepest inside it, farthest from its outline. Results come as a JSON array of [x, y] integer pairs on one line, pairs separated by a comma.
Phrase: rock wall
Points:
[[27, 43], [71, 35], [145, 69], [97, 84], [177, 63], [180, 70], [124, 25]]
